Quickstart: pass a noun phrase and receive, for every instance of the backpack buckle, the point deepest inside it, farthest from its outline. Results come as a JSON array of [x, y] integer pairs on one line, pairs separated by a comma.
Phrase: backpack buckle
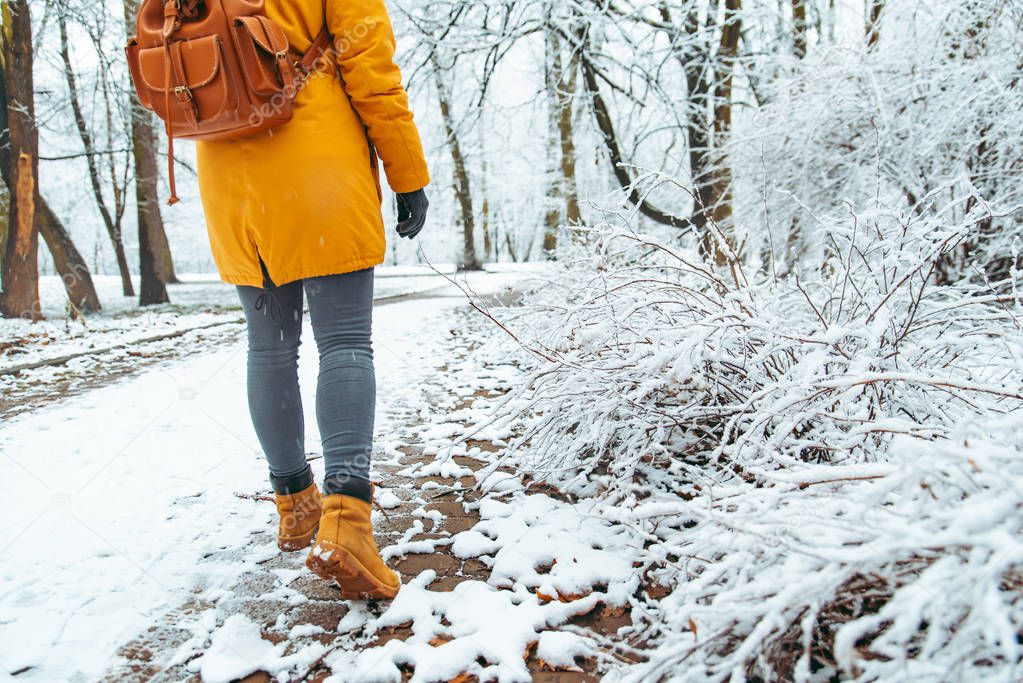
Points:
[[185, 98]]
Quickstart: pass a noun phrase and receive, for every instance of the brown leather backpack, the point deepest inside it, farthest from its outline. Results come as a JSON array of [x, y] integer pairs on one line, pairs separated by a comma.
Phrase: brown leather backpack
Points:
[[215, 69]]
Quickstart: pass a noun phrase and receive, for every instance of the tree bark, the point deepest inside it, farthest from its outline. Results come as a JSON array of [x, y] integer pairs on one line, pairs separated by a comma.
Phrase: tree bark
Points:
[[721, 198], [552, 76], [20, 271], [5, 148], [68, 261], [463, 192], [154, 255], [699, 71], [155, 264], [113, 226], [874, 10], [799, 28], [74, 272], [488, 240], [566, 98], [5, 207], [561, 88]]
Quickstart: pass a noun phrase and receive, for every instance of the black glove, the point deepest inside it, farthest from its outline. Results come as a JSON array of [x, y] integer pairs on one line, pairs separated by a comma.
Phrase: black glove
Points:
[[412, 208]]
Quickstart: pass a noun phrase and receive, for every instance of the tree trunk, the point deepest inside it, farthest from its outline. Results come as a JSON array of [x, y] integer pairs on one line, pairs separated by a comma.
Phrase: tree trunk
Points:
[[721, 199], [161, 245], [561, 85], [20, 272], [831, 24], [74, 272], [154, 255], [553, 216], [566, 95], [510, 248], [468, 260], [488, 239], [799, 27], [5, 157], [874, 9], [147, 174], [5, 205], [699, 73], [113, 227]]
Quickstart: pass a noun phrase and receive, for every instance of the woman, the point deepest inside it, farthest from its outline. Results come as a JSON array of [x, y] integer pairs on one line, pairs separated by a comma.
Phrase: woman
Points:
[[297, 210]]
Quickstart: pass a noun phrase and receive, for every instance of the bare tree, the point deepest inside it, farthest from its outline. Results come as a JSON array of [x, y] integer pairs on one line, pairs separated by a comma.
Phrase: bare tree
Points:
[[721, 207], [468, 259], [874, 9], [605, 123], [488, 238], [20, 271], [560, 80], [112, 217], [693, 54], [68, 261], [799, 28], [152, 286]]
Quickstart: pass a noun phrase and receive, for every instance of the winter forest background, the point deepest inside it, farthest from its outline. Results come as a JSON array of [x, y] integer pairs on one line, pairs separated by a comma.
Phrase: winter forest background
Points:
[[771, 120], [782, 319]]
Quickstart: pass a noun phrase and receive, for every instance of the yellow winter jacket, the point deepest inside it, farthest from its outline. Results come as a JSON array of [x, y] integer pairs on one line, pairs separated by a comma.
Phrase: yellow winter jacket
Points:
[[305, 197]]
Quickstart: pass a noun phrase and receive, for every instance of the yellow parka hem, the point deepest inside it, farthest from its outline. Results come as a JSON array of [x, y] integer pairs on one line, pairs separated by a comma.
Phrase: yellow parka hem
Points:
[[248, 280]]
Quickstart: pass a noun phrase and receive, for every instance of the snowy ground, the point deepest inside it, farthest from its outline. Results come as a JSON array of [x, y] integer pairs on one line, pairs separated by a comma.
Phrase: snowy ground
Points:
[[40, 362], [198, 301], [141, 505]]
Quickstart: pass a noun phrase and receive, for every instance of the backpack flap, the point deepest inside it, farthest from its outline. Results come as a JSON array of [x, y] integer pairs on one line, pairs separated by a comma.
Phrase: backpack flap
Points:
[[198, 83], [263, 53]]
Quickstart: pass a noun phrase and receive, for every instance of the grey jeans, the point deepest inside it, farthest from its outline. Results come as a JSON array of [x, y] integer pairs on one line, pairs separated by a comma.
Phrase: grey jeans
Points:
[[341, 312]]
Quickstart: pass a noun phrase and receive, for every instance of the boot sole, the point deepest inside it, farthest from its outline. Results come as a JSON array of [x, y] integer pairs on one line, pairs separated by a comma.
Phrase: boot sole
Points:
[[352, 577], [292, 543]]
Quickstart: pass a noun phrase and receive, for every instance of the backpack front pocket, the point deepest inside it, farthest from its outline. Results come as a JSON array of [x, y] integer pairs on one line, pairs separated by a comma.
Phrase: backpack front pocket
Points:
[[263, 53], [197, 80]]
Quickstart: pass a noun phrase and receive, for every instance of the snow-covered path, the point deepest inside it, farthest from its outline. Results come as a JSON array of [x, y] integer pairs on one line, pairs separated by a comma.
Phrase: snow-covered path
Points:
[[120, 503], [112, 497]]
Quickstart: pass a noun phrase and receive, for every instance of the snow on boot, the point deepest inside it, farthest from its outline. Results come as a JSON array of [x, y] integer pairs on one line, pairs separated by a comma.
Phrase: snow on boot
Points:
[[300, 515], [346, 552]]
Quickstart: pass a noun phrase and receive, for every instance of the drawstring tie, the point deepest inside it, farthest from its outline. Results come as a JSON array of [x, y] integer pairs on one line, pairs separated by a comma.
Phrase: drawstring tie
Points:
[[267, 301]]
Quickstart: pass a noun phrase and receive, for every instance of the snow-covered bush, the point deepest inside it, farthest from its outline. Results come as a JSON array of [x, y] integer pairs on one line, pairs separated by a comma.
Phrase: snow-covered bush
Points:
[[827, 470], [821, 442]]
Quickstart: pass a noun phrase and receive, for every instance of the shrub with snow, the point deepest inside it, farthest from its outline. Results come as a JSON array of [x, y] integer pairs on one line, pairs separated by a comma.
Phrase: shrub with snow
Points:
[[820, 443], [827, 468]]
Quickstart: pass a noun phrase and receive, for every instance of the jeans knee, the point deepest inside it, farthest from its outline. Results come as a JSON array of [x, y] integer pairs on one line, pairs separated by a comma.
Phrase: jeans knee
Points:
[[345, 343], [281, 355], [346, 359]]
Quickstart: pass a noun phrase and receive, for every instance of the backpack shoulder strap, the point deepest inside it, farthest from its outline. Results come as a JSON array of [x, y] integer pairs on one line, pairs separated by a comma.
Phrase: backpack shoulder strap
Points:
[[321, 45]]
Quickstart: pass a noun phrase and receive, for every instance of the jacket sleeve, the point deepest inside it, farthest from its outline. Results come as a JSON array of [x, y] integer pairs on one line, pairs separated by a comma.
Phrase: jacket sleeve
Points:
[[364, 44]]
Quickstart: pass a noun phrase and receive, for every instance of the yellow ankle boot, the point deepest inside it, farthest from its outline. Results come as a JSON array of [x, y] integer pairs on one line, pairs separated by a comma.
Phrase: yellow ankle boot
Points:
[[346, 552], [300, 515]]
